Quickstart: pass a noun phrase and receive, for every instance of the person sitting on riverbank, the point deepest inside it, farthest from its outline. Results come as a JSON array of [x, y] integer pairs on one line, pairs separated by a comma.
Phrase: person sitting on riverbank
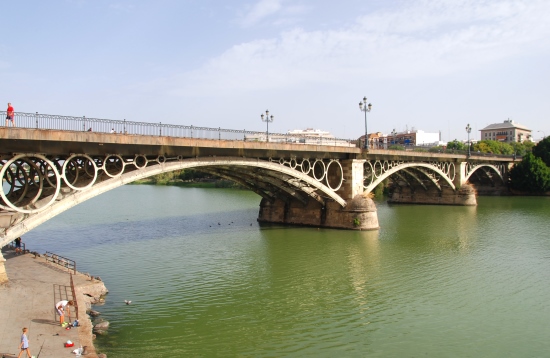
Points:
[[60, 308]]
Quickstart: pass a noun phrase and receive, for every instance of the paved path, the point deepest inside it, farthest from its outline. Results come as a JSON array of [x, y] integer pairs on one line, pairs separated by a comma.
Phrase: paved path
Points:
[[28, 300]]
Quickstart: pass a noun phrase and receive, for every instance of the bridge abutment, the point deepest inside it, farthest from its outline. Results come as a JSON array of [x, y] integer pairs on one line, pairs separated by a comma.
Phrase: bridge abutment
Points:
[[359, 213]]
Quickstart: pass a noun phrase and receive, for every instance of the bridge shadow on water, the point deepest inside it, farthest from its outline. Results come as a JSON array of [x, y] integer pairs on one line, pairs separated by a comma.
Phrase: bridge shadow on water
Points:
[[43, 237]]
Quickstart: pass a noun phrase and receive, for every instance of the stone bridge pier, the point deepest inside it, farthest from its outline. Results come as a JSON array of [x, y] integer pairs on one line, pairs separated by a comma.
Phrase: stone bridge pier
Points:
[[359, 213]]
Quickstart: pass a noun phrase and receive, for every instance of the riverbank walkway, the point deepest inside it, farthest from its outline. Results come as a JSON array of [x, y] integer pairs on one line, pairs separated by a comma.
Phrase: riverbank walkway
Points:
[[28, 300]]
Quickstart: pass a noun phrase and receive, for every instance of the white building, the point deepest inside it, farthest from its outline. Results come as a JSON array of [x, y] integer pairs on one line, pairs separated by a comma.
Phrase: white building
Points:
[[301, 136], [413, 138]]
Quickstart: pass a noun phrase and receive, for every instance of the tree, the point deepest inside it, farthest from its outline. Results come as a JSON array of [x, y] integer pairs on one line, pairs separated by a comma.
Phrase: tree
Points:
[[455, 144], [542, 150], [192, 175], [493, 146], [396, 147], [522, 148], [163, 178], [530, 175], [437, 149]]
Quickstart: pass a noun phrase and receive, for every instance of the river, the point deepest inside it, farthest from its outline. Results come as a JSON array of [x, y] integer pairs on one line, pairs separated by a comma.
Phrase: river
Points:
[[206, 280]]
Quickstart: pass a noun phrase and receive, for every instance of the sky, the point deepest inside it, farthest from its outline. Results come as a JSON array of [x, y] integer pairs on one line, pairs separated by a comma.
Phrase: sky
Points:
[[431, 65]]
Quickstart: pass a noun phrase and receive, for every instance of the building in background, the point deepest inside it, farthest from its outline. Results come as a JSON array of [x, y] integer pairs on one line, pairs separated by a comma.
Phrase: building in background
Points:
[[407, 138], [506, 132], [300, 136]]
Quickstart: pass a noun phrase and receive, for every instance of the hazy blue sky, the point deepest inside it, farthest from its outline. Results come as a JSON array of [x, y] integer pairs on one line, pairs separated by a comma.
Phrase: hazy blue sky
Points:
[[429, 64]]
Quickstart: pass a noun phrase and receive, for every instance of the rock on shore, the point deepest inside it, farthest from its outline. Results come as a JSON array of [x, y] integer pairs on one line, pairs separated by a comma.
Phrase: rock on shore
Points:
[[89, 291]]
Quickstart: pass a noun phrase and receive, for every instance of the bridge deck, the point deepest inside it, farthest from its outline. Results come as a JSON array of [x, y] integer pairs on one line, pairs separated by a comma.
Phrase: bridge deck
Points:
[[59, 142]]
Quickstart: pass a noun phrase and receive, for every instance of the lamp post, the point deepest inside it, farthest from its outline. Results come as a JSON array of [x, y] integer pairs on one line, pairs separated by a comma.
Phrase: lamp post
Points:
[[393, 134], [543, 135], [363, 106], [267, 119], [468, 130]]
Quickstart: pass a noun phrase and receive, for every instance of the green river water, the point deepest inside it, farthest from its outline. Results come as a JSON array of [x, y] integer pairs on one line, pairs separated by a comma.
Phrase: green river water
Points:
[[206, 280]]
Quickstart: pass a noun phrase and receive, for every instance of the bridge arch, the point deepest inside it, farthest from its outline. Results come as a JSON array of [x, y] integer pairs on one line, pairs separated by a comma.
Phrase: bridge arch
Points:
[[388, 170], [471, 169], [266, 178]]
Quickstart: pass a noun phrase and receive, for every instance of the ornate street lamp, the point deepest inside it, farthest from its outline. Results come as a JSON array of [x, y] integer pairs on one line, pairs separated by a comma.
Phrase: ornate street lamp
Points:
[[543, 135], [393, 134], [267, 119], [363, 106], [468, 130]]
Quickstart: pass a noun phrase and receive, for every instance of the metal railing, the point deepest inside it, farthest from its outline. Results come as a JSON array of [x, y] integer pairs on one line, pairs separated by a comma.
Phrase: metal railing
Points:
[[75, 301], [12, 245], [83, 124], [61, 261], [437, 149]]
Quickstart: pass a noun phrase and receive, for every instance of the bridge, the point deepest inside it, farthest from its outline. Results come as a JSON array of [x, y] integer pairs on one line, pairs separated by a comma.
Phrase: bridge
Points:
[[52, 163]]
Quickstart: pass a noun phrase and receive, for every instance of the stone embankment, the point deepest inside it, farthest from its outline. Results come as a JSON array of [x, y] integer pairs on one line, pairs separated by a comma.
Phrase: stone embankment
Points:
[[28, 300]]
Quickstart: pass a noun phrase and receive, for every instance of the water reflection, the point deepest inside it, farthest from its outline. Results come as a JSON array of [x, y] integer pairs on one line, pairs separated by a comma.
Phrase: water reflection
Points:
[[363, 261]]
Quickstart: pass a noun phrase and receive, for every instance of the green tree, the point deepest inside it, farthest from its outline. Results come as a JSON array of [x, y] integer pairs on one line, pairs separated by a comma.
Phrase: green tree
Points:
[[396, 147], [437, 149], [162, 179], [542, 150], [522, 148], [530, 175], [192, 175], [455, 144], [493, 146]]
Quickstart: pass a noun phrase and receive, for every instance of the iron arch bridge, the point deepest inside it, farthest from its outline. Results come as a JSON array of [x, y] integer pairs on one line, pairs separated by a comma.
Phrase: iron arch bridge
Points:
[[38, 187], [47, 171]]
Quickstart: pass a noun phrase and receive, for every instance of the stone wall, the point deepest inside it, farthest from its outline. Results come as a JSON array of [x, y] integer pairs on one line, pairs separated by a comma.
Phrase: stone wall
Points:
[[466, 195]]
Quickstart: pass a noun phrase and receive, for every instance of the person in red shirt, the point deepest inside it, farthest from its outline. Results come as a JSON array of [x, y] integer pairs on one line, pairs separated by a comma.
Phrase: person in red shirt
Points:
[[10, 116]]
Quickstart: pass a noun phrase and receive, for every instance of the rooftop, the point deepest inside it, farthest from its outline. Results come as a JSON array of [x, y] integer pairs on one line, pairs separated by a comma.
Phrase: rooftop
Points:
[[507, 124]]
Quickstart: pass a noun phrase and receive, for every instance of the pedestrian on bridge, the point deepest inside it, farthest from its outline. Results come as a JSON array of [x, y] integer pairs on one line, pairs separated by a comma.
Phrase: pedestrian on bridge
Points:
[[60, 308], [10, 116]]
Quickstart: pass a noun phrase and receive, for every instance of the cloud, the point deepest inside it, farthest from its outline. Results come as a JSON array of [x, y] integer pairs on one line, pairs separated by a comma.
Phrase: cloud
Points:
[[423, 38], [259, 11]]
